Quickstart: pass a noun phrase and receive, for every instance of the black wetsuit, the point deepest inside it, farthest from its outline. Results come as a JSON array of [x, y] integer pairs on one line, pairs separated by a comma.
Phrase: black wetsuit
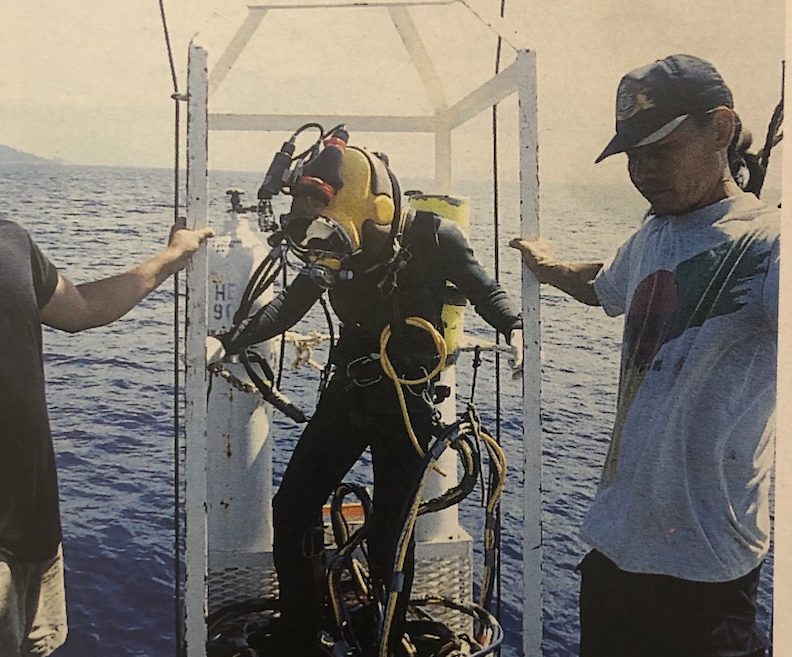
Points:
[[351, 417]]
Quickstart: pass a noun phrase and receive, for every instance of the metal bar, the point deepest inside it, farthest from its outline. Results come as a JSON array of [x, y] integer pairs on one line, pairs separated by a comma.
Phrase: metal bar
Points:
[[488, 94], [411, 38], [286, 122], [525, 66], [355, 5], [195, 350], [506, 30], [227, 60]]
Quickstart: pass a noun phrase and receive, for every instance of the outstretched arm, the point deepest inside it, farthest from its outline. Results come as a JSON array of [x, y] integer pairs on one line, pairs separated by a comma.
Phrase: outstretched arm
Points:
[[462, 268], [576, 279], [279, 315], [77, 307]]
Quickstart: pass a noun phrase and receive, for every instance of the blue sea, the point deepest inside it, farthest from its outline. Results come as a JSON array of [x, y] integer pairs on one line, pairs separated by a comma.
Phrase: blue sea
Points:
[[110, 394]]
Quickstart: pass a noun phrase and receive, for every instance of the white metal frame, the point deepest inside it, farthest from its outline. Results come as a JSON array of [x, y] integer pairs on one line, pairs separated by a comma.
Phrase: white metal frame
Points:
[[519, 77], [196, 561]]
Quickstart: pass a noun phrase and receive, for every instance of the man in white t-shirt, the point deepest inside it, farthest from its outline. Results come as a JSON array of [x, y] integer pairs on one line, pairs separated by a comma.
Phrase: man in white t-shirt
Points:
[[680, 523]]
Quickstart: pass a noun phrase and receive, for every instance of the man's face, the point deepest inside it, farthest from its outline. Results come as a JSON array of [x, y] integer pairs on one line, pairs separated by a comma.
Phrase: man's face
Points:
[[681, 172]]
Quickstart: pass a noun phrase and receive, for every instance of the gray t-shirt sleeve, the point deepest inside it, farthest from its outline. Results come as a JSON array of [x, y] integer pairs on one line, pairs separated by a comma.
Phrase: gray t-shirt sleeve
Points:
[[45, 275], [610, 284], [770, 288]]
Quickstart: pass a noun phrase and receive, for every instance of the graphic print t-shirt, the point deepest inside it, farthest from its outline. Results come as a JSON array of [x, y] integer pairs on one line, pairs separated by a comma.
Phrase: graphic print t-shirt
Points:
[[685, 486], [29, 523]]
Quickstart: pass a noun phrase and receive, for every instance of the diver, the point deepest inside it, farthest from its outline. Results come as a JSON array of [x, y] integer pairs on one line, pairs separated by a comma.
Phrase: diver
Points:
[[380, 265]]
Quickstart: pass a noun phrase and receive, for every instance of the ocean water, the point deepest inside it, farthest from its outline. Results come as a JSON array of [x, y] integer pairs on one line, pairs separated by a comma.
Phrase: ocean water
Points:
[[110, 394]]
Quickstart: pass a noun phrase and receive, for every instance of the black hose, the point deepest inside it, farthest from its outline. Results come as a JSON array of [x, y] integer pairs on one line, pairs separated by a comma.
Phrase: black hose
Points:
[[266, 385]]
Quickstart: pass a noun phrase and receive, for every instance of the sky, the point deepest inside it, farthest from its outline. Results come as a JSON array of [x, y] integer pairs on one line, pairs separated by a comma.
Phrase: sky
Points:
[[88, 81]]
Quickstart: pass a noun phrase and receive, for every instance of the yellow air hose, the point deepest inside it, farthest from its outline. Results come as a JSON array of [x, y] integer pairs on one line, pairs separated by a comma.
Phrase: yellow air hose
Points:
[[398, 382], [457, 210], [401, 556], [498, 460]]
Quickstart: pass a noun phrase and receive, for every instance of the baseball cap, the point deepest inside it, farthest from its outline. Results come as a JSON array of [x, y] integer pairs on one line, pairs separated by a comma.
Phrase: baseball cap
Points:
[[653, 100]]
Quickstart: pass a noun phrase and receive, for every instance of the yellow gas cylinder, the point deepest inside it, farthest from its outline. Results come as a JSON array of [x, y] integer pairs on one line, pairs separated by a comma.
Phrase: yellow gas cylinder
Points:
[[457, 209]]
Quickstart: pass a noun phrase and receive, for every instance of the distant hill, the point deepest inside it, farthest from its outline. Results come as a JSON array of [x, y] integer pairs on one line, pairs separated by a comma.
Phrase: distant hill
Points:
[[10, 155]]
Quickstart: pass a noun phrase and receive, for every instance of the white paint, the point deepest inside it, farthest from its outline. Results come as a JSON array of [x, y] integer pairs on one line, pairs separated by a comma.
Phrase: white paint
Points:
[[488, 94], [532, 428], [289, 122], [226, 61], [402, 21], [195, 377], [341, 4]]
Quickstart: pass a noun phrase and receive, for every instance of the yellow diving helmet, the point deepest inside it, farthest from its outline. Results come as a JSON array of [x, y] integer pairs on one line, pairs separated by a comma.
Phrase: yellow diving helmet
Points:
[[326, 222], [366, 194]]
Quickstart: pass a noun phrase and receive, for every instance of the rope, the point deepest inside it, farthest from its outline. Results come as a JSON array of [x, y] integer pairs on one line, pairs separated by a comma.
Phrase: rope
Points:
[[177, 599], [168, 47], [234, 381], [304, 345], [493, 633], [496, 239]]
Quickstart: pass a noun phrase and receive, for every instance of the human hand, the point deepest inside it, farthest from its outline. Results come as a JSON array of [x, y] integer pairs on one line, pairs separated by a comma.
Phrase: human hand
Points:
[[214, 350], [183, 242], [516, 353], [536, 254]]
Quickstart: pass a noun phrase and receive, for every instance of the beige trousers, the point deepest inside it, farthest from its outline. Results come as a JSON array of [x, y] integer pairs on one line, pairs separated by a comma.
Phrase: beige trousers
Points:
[[32, 606]]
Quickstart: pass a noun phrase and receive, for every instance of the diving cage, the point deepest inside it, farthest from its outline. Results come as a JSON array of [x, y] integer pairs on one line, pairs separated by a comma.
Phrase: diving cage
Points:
[[229, 433]]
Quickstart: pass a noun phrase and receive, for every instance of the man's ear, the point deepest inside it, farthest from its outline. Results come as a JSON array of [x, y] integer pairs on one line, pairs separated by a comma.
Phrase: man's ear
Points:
[[723, 124]]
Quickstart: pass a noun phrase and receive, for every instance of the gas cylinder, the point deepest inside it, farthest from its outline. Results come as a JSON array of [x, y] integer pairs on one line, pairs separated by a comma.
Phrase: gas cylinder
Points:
[[239, 445], [457, 209], [444, 525]]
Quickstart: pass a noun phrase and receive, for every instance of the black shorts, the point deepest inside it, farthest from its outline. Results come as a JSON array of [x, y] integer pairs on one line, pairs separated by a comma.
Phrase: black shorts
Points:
[[626, 614]]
